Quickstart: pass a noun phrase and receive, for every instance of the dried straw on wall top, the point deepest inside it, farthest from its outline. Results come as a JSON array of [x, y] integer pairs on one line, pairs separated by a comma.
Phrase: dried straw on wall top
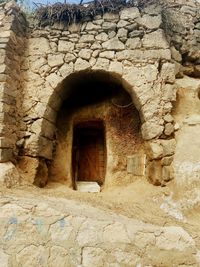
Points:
[[75, 13]]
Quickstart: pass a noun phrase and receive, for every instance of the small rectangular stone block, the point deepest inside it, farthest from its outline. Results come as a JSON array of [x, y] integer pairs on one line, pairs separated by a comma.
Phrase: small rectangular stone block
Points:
[[6, 142], [88, 187], [5, 154], [136, 164]]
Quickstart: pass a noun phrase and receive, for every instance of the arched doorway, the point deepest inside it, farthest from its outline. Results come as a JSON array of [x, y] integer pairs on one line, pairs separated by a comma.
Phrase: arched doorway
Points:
[[98, 131]]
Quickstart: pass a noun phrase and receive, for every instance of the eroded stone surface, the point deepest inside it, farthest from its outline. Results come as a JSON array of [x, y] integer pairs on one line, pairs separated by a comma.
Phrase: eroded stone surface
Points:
[[70, 234]]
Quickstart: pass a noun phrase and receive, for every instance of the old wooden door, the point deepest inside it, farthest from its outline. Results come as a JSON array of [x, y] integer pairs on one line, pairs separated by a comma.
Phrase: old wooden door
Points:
[[90, 155]]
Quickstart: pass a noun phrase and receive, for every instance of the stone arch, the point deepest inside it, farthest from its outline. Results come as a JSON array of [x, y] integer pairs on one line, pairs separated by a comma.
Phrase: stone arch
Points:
[[60, 93], [55, 99], [146, 97]]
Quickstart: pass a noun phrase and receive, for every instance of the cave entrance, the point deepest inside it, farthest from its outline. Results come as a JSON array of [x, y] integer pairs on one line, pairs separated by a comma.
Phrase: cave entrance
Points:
[[89, 153]]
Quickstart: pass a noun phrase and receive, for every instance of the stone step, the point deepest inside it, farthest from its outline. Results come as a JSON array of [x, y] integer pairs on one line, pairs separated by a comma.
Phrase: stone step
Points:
[[88, 187]]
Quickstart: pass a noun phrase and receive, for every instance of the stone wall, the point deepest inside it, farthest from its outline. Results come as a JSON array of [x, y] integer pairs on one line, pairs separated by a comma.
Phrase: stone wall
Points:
[[144, 50], [11, 48]]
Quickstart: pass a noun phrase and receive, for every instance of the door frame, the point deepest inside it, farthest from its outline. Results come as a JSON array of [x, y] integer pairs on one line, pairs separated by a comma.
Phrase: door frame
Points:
[[87, 124]]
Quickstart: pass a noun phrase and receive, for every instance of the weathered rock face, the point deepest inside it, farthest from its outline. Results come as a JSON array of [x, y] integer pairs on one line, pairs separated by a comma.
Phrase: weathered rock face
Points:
[[141, 49], [45, 232]]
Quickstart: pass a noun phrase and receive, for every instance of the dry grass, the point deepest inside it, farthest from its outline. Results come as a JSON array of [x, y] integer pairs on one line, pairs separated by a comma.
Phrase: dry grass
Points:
[[75, 13]]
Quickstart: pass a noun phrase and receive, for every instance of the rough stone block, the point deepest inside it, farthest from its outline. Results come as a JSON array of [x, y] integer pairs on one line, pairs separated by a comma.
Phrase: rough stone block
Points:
[[133, 43], [111, 16], [150, 22], [88, 187], [64, 46], [167, 173], [154, 150], [102, 63], [155, 39], [113, 44], [6, 142], [103, 37], [81, 64], [168, 147], [38, 46], [9, 175], [136, 164], [55, 60], [154, 172], [166, 161], [85, 53], [66, 69], [6, 154], [130, 13], [109, 26], [38, 146], [151, 130], [169, 129], [87, 38]]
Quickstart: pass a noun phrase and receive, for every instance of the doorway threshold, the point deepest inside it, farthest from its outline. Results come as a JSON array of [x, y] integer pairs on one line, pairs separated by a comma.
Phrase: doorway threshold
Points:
[[87, 187]]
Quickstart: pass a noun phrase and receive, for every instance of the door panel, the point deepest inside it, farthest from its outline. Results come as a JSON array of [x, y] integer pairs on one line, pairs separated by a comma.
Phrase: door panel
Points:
[[89, 155]]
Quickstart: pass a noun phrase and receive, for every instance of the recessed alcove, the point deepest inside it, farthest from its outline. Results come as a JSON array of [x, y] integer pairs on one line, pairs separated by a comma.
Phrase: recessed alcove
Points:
[[98, 127]]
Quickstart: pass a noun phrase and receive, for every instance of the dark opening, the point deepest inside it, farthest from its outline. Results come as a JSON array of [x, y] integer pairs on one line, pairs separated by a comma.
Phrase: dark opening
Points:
[[89, 155]]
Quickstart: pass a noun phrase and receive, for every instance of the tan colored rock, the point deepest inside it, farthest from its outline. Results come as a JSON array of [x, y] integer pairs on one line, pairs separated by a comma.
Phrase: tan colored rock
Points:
[[85, 53], [66, 69], [122, 33], [168, 118], [89, 187], [9, 175], [103, 37], [155, 39], [175, 54], [69, 57], [32, 255], [39, 146], [154, 172], [169, 129], [81, 64], [6, 154], [109, 26], [168, 147], [113, 44], [133, 43], [154, 150], [102, 63], [116, 67], [58, 256], [54, 79], [87, 38], [111, 16], [55, 60], [64, 46], [151, 130], [168, 72], [107, 54], [92, 27], [93, 257], [188, 83], [122, 24], [143, 56], [4, 258], [166, 161], [129, 13], [38, 46], [150, 22], [167, 173]]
